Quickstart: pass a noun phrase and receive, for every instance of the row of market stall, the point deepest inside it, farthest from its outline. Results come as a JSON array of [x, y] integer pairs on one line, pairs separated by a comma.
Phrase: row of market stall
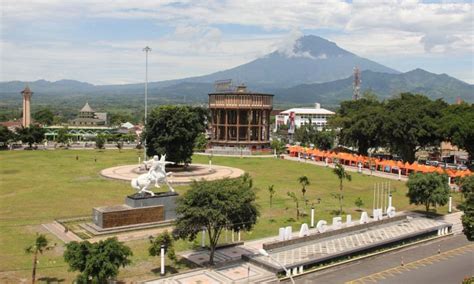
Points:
[[375, 164]]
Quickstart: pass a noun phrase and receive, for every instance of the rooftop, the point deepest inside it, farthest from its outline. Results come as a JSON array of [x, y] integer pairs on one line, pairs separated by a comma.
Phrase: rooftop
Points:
[[307, 111], [87, 108]]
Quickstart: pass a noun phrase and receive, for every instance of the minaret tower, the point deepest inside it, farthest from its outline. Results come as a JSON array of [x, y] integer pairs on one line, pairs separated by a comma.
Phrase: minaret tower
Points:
[[27, 93]]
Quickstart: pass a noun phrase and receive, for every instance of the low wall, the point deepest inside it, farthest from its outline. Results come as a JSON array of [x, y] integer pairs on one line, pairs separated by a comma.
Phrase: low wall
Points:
[[317, 236]]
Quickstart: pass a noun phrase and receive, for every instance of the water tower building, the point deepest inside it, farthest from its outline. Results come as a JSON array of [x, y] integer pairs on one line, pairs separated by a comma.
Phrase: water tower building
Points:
[[239, 118]]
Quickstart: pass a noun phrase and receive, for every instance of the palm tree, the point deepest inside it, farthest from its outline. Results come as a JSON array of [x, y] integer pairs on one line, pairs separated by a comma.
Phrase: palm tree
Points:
[[304, 181], [40, 245], [271, 190], [341, 174], [295, 200]]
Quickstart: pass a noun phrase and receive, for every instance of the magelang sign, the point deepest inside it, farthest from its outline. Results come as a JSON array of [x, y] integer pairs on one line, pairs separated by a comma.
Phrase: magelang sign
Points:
[[285, 233]]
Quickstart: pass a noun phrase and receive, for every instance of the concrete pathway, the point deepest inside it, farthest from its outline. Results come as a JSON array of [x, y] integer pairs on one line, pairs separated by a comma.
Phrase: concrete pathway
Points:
[[239, 272], [200, 171], [58, 230]]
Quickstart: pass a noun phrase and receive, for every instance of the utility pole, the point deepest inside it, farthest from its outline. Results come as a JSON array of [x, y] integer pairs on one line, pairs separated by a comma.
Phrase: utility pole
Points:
[[146, 49]]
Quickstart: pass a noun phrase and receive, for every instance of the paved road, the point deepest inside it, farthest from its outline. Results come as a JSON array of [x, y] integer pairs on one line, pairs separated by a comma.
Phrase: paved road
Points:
[[422, 264]]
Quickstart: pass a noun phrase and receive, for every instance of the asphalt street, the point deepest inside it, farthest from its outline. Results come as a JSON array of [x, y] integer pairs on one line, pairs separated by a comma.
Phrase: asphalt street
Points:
[[446, 260]]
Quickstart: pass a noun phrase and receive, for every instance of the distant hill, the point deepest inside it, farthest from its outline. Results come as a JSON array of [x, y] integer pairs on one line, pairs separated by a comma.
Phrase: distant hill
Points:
[[384, 85], [314, 70]]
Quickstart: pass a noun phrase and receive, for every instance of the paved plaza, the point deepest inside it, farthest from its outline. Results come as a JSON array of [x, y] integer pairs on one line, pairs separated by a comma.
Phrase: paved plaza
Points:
[[240, 272], [320, 250], [197, 172]]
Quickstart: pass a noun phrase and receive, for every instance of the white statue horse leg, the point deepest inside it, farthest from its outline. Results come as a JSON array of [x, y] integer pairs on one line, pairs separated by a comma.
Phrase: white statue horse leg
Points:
[[169, 185]]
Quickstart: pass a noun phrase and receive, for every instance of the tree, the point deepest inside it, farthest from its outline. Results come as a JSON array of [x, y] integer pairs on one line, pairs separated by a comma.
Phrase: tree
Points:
[[119, 145], [360, 123], [309, 134], [40, 245], [342, 175], [293, 197], [172, 130], [216, 205], [278, 146], [100, 141], [467, 189], [62, 137], [428, 189], [304, 181], [412, 123], [271, 191], [98, 261], [30, 135], [359, 203], [200, 144], [165, 239], [5, 135], [44, 116], [457, 126]]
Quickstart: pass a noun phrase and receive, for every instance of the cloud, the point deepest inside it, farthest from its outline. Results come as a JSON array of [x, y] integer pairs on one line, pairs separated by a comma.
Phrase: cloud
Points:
[[198, 42]]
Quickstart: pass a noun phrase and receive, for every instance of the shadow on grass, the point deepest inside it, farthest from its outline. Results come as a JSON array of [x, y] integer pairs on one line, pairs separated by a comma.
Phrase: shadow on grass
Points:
[[51, 280], [176, 267]]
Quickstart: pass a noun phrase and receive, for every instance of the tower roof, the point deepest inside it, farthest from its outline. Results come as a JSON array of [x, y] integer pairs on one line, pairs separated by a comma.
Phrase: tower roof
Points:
[[27, 90], [87, 108]]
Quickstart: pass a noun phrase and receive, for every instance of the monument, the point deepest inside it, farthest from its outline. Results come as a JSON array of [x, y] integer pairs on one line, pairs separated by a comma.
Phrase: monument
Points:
[[143, 207]]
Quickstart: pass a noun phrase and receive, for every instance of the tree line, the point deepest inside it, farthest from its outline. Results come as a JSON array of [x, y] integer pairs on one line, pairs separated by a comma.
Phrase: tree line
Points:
[[404, 124]]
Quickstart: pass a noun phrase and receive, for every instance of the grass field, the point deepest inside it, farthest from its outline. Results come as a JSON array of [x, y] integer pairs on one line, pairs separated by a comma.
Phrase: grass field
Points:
[[37, 187]]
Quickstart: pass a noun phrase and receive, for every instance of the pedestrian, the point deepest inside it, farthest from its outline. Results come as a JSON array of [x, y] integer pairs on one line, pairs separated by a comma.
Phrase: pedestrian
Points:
[[77, 157]]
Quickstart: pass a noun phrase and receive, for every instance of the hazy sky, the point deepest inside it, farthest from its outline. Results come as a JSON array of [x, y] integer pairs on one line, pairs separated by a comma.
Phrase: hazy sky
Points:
[[101, 42]]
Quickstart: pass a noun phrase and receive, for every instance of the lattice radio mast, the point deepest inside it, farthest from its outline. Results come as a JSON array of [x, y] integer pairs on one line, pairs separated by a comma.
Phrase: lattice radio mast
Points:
[[356, 84]]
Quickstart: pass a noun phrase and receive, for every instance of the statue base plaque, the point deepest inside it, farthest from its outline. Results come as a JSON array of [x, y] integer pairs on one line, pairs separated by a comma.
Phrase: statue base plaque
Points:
[[138, 209]]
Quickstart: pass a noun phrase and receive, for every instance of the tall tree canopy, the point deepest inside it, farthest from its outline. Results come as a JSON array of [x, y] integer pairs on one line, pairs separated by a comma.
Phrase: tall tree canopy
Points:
[[457, 126], [309, 134], [467, 189], [5, 135], [411, 123], [360, 123], [44, 116], [428, 189], [172, 130], [30, 135], [100, 261], [216, 205]]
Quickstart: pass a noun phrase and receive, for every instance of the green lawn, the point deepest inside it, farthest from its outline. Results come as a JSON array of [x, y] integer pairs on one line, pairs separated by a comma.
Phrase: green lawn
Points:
[[39, 186]]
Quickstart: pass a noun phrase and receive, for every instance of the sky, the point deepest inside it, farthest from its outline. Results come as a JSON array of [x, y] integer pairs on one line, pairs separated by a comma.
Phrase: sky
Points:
[[101, 42]]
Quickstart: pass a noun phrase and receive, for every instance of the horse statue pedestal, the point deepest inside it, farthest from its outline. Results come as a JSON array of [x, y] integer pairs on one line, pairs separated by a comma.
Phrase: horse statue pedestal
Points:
[[139, 209]]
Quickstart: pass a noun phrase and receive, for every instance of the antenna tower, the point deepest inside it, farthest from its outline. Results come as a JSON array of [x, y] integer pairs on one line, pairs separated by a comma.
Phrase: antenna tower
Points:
[[356, 84]]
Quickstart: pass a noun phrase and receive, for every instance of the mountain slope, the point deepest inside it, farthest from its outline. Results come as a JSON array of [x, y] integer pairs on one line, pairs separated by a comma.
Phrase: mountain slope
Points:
[[312, 60], [384, 85]]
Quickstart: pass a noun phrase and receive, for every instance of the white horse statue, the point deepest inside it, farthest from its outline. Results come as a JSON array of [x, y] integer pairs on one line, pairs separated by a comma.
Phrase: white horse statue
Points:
[[156, 175]]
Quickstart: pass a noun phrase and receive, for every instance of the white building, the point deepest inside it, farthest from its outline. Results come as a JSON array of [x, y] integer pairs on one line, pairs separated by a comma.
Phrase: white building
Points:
[[318, 116]]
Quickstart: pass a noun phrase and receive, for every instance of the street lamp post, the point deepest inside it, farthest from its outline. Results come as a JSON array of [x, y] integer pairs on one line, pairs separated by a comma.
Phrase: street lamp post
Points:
[[146, 49], [265, 253]]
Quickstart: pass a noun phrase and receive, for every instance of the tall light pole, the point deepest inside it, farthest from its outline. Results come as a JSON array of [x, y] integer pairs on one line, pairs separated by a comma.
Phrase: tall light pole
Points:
[[265, 253], [146, 49]]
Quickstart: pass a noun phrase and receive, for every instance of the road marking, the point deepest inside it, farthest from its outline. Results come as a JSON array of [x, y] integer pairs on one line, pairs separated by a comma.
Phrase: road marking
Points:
[[392, 272]]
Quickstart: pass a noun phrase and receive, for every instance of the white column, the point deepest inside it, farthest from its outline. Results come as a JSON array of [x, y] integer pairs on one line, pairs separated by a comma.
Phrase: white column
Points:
[[450, 205], [238, 235], [295, 270], [390, 200], [312, 217], [203, 238], [399, 174], [233, 236], [162, 254], [301, 269], [449, 180], [210, 165]]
